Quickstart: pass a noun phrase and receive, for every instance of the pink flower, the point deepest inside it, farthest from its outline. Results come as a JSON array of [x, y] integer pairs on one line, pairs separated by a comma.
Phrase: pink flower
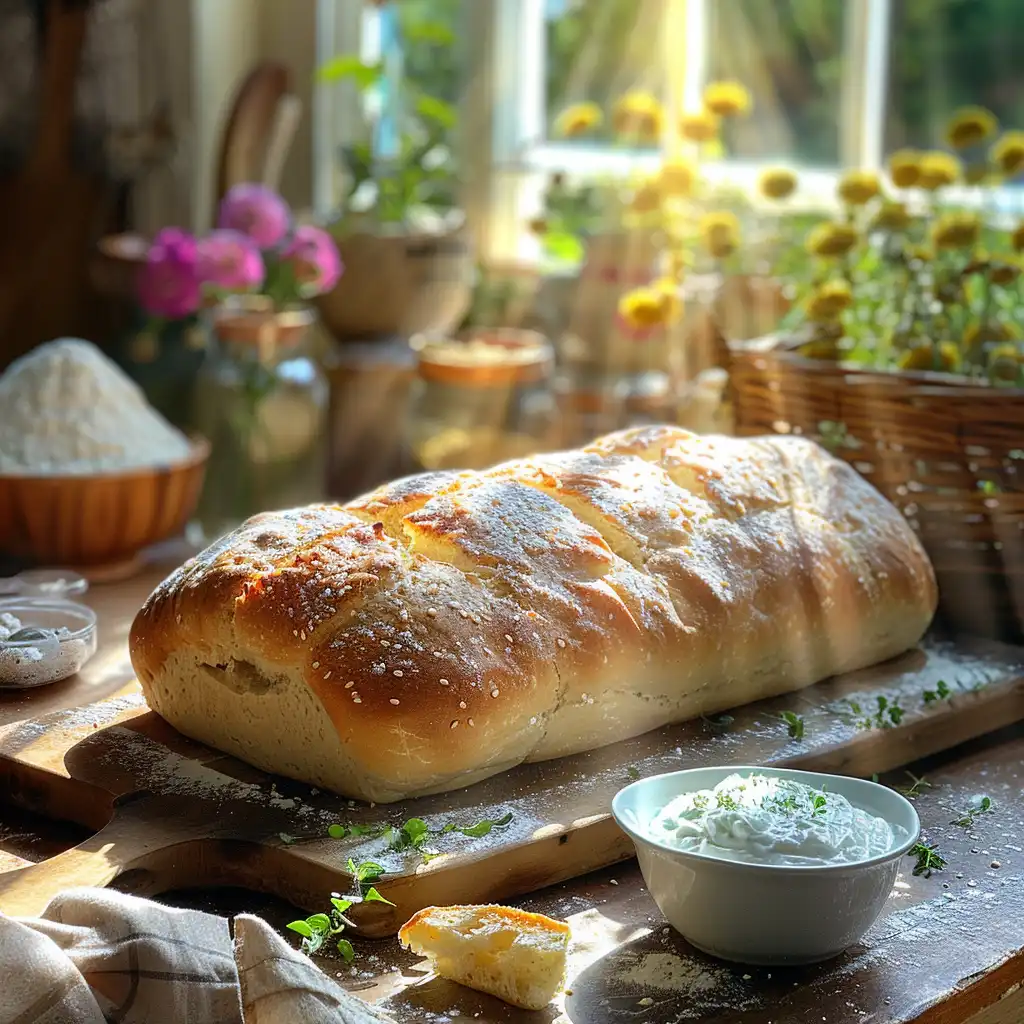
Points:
[[169, 280], [256, 211], [230, 261], [314, 259]]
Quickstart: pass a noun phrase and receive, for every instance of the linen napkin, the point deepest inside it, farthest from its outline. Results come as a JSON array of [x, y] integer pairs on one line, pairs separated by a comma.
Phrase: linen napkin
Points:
[[97, 956]]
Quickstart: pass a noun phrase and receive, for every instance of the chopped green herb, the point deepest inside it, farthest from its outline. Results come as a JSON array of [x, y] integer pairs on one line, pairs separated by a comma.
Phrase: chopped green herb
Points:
[[700, 802], [913, 790], [726, 802], [979, 806], [888, 714], [480, 829], [337, 831], [928, 859], [874, 777], [941, 692], [819, 805], [794, 723], [372, 896], [318, 928], [366, 871], [633, 773], [285, 838], [720, 723]]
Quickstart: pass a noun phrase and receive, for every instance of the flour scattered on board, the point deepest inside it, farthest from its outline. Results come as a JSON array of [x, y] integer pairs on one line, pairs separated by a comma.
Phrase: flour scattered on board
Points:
[[65, 408], [165, 771]]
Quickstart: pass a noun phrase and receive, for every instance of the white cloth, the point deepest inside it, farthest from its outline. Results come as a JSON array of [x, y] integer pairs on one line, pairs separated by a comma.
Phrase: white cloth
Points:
[[97, 956]]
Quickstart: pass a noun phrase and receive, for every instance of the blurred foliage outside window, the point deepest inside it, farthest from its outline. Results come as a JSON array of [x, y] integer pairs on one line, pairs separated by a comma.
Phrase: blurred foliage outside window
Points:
[[946, 54]]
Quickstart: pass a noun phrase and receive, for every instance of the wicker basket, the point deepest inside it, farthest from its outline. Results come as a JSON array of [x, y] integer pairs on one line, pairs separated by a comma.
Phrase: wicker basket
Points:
[[947, 451]]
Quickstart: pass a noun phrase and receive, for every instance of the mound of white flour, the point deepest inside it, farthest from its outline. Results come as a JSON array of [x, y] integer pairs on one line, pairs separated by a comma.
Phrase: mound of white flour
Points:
[[66, 409]]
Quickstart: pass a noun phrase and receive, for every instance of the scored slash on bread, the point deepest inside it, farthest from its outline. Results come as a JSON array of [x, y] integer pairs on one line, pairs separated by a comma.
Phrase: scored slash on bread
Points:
[[450, 626], [512, 954]]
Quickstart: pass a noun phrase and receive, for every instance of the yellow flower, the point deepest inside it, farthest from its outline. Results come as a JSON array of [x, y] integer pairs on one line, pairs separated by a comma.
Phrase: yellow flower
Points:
[[646, 199], [672, 301], [969, 126], [720, 232], [537, 225], [891, 217], [1005, 271], [1008, 153], [831, 239], [859, 187], [905, 168], [1017, 237], [956, 230], [699, 127], [777, 183], [638, 117], [998, 330], [677, 178], [643, 308], [578, 119], [829, 300], [1004, 362], [938, 169], [726, 99], [926, 356]]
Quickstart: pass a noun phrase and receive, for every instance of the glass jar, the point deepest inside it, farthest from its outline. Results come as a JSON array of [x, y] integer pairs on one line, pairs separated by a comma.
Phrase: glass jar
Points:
[[262, 404], [480, 400]]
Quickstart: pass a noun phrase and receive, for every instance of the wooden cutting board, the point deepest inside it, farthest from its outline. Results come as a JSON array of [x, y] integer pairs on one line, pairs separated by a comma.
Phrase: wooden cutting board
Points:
[[169, 813]]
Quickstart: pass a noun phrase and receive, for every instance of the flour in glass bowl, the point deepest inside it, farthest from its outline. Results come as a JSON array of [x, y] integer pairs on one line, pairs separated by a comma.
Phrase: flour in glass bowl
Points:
[[68, 410]]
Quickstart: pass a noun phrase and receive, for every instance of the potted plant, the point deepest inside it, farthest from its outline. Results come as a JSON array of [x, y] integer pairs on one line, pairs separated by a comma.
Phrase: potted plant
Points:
[[903, 354], [399, 228], [259, 398]]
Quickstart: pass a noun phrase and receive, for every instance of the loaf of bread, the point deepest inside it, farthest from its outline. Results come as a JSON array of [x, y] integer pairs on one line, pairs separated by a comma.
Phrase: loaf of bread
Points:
[[514, 955], [453, 625]]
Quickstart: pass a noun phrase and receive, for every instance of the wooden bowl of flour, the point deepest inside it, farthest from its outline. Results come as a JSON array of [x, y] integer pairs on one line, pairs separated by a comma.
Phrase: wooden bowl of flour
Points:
[[98, 523]]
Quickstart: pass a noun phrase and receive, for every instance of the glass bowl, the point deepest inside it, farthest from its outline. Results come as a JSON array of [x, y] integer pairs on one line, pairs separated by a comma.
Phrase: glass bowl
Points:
[[63, 641]]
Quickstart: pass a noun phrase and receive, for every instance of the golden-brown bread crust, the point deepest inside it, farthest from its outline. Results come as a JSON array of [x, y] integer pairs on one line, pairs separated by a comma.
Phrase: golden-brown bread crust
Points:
[[449, 626]]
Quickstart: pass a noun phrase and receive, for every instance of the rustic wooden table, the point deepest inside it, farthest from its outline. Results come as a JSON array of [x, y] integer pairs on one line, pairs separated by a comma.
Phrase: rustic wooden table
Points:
[[949, 948]]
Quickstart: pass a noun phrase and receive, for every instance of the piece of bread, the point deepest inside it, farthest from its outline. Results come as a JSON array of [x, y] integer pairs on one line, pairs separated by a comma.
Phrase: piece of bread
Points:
[[453, 625], [511, 954]]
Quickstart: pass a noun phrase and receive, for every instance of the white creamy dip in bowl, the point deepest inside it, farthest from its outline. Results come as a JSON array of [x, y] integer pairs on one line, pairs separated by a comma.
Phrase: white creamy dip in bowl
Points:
[[767, 865]]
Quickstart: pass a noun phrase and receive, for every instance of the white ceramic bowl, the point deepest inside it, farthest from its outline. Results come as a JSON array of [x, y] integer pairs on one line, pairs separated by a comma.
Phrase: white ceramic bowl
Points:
[[763, 913]]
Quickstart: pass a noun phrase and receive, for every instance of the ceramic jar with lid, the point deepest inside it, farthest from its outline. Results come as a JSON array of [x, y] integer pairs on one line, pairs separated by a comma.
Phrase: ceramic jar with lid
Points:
[[481, 399]]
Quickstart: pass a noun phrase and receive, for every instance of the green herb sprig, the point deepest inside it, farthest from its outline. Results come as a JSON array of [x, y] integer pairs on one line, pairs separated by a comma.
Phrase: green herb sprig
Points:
[[981, 806], [917, 785], [319, 928], [794, 724], [888, 714], [411, 835], [928, 859], [819, 805], [941, 692]]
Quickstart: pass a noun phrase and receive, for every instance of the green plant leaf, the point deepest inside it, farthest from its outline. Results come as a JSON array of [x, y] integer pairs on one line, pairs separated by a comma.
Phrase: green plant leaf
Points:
[[302, 928], [366, 871], [372, 896], [319, 922], [433, 109], [341, 906], [337, 831], [431, 33], [349, 66], [345, 949]]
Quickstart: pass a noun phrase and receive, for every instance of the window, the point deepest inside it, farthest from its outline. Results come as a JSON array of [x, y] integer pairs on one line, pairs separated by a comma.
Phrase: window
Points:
[[946, 54], [790, 55], [595, 50], [834, 83]]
